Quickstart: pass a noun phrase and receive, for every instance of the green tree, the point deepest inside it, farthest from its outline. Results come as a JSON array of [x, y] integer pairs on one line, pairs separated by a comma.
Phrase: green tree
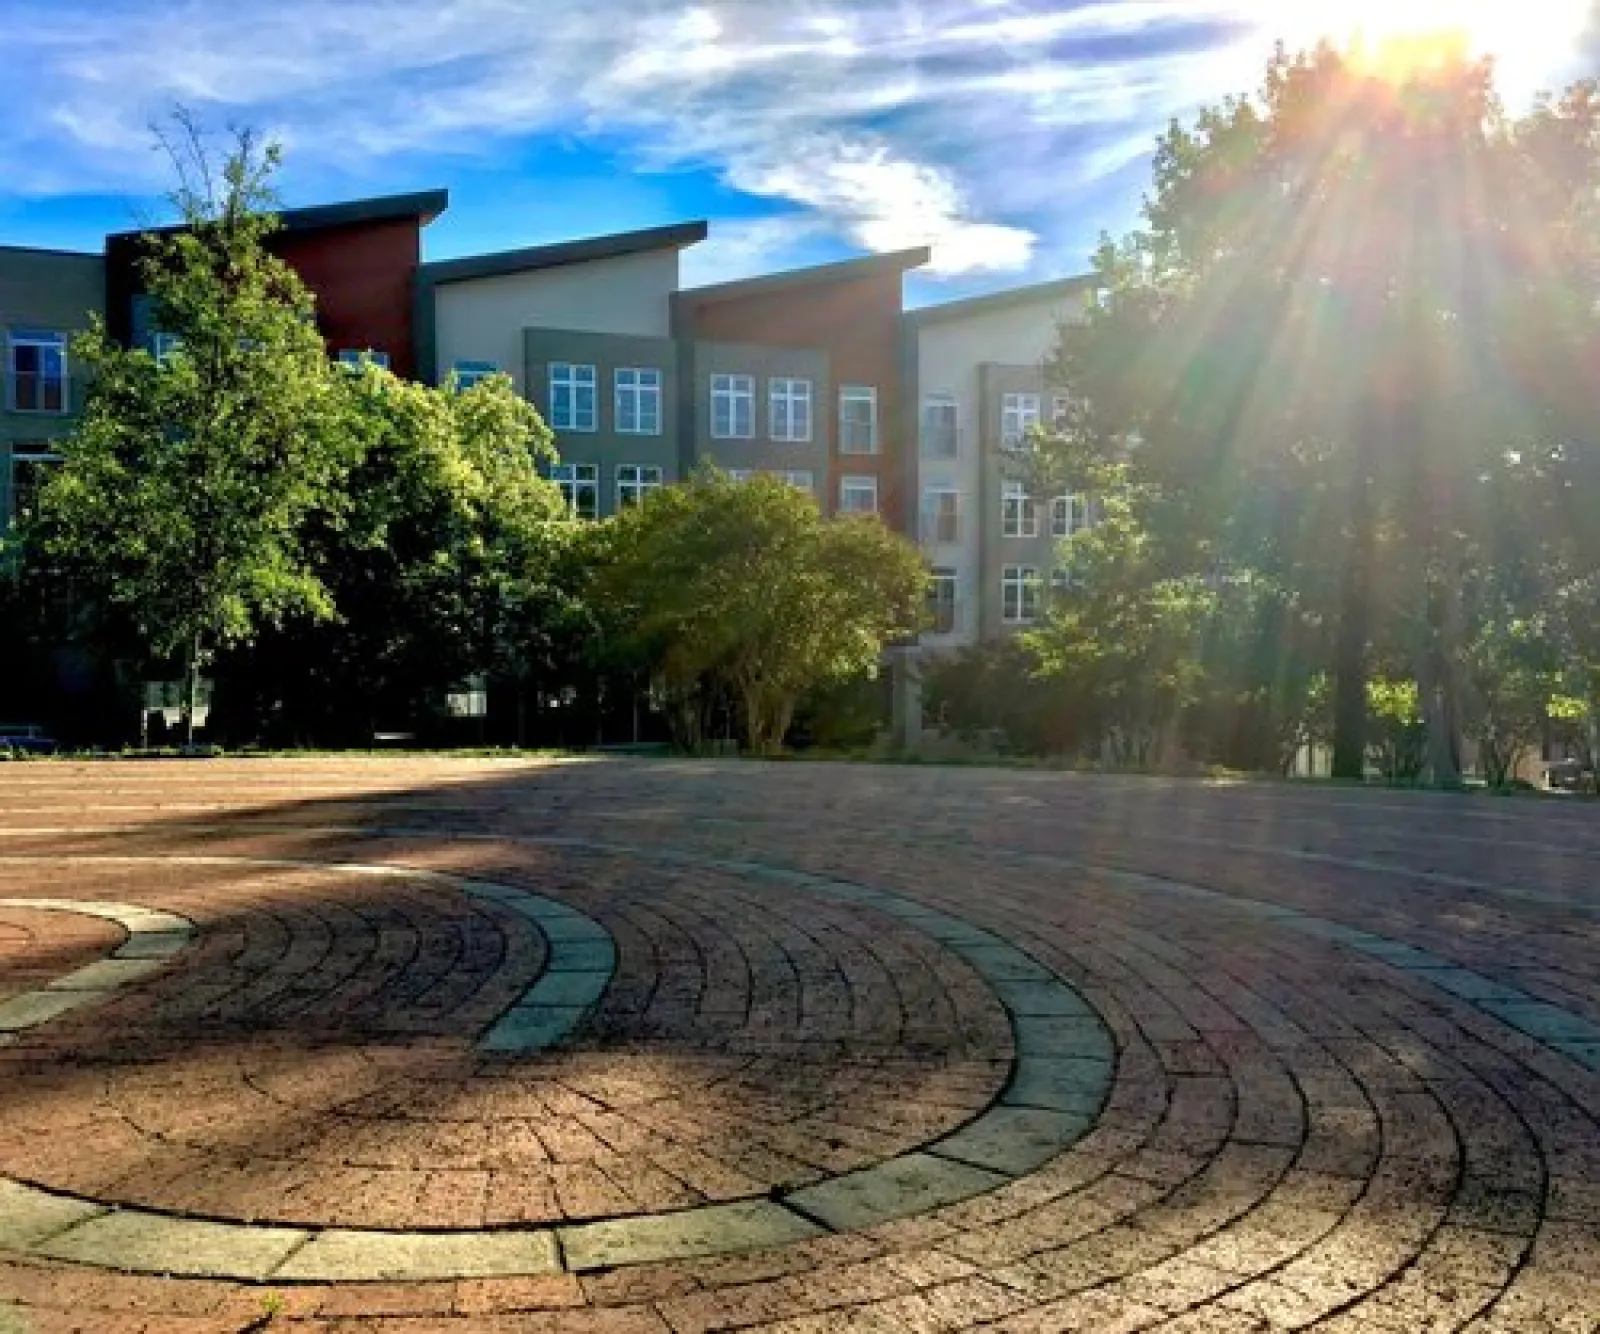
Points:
[[441, 562], [1353, 292], [183, 494], [741, 592]]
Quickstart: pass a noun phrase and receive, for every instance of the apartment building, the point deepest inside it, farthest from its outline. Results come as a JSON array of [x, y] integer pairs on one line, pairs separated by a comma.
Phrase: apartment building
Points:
[[360, 258], [46, 299], [982, 384], [584, 330], [801, 373]]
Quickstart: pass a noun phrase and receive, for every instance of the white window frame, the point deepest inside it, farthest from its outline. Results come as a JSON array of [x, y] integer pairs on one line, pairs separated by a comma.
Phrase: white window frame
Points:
[[1019, 594], [575, 479], [579, 382], [1019, 514], [943, 579], [737, 393], [1060, 405], [1019, 412], [941, 402], [351, 357], [41, 340], [636, 400], [635, 481], [1068, 515], [740, 474], [788, 409], [858, 486], [469, 373], [34, 452], [933, 512], [1060, 581], [852, 395], [803, 478]]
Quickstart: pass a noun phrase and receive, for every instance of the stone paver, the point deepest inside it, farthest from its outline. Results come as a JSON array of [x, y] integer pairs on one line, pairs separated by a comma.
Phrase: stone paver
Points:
[[669, 1046]]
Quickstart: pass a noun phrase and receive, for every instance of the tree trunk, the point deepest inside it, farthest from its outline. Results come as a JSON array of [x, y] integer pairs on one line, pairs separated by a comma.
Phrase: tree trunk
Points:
[[193, 693], [1350, 651]]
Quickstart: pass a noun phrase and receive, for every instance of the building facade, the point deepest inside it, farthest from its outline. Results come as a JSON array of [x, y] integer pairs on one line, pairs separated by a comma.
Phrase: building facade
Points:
[[359, 258], [982, 383], [817, 354], [46, 298], [584, 330]]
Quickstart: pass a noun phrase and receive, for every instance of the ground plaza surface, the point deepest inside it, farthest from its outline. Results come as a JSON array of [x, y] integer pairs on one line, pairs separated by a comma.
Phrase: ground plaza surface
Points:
[[445, 1045]]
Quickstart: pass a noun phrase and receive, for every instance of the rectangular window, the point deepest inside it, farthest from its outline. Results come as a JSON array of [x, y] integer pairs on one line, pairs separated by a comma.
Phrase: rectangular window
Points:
[[1019, 413], [858, 419], [1068, 515], [741, 474], [635, 482], [733, 407], [354, 358], [858, 495], [469, 373], [28, 465], [1019, 516], [580, 488], [163, 346], [1061, 582], [941, 433], [573, 397], [789, 409], [941, 515], [942, 601], [638, 401], [36, 366], [800, 477], [1060, 409], [1019, 594]]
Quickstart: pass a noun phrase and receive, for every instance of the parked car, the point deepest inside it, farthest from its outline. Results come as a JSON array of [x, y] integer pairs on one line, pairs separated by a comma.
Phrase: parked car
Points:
[[1569, 776], [27, 738]]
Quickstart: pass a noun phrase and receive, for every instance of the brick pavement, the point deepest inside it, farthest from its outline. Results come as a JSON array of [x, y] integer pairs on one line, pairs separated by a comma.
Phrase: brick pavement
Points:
[[877, 1049]]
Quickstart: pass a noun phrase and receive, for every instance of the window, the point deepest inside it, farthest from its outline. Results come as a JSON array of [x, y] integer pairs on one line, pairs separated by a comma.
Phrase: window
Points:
[[37, 371], [163, 346], [733, 407], [800, 477], [638, 401], [942, 601], [1061, 583], [941, 436], [354, 358], [1019, 413], [858, 419], [1019, 516], [741, 474], [941, 514], [1068, 514], [572, 397], [635, 482], [469, 373], [1060, 409], [1019, 594], [28, 465], [858, 495], [789, 409], [580, 488]]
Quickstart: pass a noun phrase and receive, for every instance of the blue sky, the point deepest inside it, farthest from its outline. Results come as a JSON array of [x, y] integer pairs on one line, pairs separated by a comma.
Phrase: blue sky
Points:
[[1005, 133]]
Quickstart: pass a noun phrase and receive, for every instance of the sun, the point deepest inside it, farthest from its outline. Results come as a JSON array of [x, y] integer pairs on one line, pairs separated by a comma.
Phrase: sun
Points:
[[1403, 34]]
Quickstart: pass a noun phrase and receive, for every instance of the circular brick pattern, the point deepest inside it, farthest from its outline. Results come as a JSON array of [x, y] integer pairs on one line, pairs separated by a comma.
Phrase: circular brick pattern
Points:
[[1355, 1086], [813, 1126]]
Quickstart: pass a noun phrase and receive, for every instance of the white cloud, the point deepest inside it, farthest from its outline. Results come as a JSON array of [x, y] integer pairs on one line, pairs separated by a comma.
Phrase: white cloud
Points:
[[972, 126]]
